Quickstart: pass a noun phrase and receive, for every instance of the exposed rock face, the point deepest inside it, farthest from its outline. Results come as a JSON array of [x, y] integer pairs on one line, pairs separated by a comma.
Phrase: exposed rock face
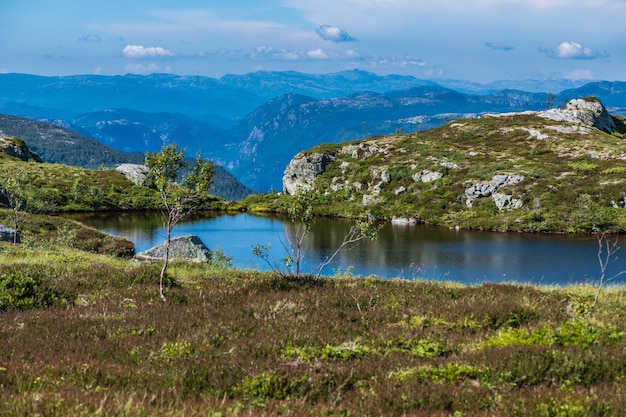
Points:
[[184, 248], [134, 172], [17, 148], [586, 112], [301, 172], [6, 234], [486, 189]]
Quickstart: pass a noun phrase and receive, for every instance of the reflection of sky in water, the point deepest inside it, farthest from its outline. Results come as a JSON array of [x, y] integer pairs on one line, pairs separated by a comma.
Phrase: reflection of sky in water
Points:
[[411, 252]]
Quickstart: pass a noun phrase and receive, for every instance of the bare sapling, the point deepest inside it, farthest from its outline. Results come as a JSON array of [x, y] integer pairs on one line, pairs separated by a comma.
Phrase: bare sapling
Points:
[[607, 254]]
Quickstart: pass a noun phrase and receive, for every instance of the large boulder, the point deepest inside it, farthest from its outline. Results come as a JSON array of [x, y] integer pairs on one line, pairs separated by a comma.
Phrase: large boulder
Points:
[[301, 172], [589, 112], [188, 248], [135, 173]]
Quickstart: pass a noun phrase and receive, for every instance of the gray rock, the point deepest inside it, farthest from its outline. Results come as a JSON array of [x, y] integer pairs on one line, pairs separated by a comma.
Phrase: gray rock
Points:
[[188, 248], [301, 172], [6, 234], [483, 189], [506, 202], [400, 190], [135, 173], [385, 176], [585, 112]]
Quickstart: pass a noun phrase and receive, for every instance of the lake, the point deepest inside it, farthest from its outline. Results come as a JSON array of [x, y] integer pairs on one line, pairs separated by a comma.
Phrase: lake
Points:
[[410, 252]]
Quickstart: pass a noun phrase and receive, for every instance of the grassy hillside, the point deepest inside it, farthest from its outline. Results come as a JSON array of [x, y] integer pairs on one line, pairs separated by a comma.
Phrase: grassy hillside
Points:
[[557, 176], [51, 188], [88, 335]]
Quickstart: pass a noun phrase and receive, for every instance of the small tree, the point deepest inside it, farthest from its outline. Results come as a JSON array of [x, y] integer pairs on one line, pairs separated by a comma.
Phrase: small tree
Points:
[[362, 229], [301, 213], [14, 192], [179, 199], [606, 255]]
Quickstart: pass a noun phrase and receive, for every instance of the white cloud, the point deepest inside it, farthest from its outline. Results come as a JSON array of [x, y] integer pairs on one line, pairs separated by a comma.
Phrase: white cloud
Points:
[[333, 34], [574, 50], [317, 54], [138, 51]]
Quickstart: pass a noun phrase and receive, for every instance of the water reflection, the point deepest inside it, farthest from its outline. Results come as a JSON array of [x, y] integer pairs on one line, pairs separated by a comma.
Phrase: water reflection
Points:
[[412, 252]]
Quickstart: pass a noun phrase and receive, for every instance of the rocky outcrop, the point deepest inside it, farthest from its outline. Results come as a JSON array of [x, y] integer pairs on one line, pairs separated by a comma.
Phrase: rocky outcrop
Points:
[[188, 248], [301, 172], [17, 148], [6, 234], [487, 189], [135, 173], [589, 112]]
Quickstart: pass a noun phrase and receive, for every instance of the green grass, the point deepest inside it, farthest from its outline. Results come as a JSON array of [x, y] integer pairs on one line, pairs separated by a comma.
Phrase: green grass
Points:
[[557, 170], [87, 334], [50, 188]]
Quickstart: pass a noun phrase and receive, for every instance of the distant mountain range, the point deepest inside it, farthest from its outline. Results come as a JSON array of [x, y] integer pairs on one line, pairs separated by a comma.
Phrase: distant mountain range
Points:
[[253, 124]]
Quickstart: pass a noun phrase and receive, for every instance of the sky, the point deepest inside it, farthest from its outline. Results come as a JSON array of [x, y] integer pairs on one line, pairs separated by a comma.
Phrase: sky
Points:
[[475, 40]]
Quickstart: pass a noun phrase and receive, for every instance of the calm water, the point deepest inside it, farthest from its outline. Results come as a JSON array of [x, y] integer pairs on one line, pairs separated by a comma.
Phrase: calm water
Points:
[[411, 252]]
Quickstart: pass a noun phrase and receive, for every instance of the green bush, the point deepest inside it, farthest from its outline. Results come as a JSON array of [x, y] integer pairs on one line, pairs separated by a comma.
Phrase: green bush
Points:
[[19, 291]]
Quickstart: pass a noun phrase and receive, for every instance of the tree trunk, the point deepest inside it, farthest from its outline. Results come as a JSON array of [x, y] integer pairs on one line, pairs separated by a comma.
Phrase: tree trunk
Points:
[[167, 256]]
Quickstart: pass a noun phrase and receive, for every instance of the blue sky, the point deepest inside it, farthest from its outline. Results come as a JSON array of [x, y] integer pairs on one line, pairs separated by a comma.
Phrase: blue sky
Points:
[[476, 40]]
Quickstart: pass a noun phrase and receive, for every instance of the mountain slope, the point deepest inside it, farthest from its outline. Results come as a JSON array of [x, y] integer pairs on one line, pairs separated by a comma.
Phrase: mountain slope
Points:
[[557, 170], [270, 136], [58, 145]]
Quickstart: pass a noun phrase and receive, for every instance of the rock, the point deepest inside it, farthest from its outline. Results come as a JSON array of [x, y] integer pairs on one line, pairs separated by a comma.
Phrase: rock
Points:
[[6, 234], [188, 248], [17, 148], [427, 176], [449, 165], [588, 112], [135, 173], [400, 190], [506, 202], [301, 172], [403, 221], [482, 189], [385, 176]]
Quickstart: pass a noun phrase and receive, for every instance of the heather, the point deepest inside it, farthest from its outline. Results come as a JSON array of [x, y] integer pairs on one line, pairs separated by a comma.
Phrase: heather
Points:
[[87, 334]]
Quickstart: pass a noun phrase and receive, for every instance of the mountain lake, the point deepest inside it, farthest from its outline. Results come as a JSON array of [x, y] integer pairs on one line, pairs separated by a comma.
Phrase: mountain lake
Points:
[[411, 252]]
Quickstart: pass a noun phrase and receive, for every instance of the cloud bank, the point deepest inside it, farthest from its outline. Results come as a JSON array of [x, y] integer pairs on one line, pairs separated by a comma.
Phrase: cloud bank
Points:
[[138, 52]]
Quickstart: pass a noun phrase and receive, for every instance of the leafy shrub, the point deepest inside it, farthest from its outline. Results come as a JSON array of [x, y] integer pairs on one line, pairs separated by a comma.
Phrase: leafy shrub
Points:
[[19, 291]]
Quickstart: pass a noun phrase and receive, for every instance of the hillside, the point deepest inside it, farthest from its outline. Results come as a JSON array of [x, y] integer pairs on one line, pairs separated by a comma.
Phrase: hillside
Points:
[[52, 188], [557, 170], [58, 145]]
